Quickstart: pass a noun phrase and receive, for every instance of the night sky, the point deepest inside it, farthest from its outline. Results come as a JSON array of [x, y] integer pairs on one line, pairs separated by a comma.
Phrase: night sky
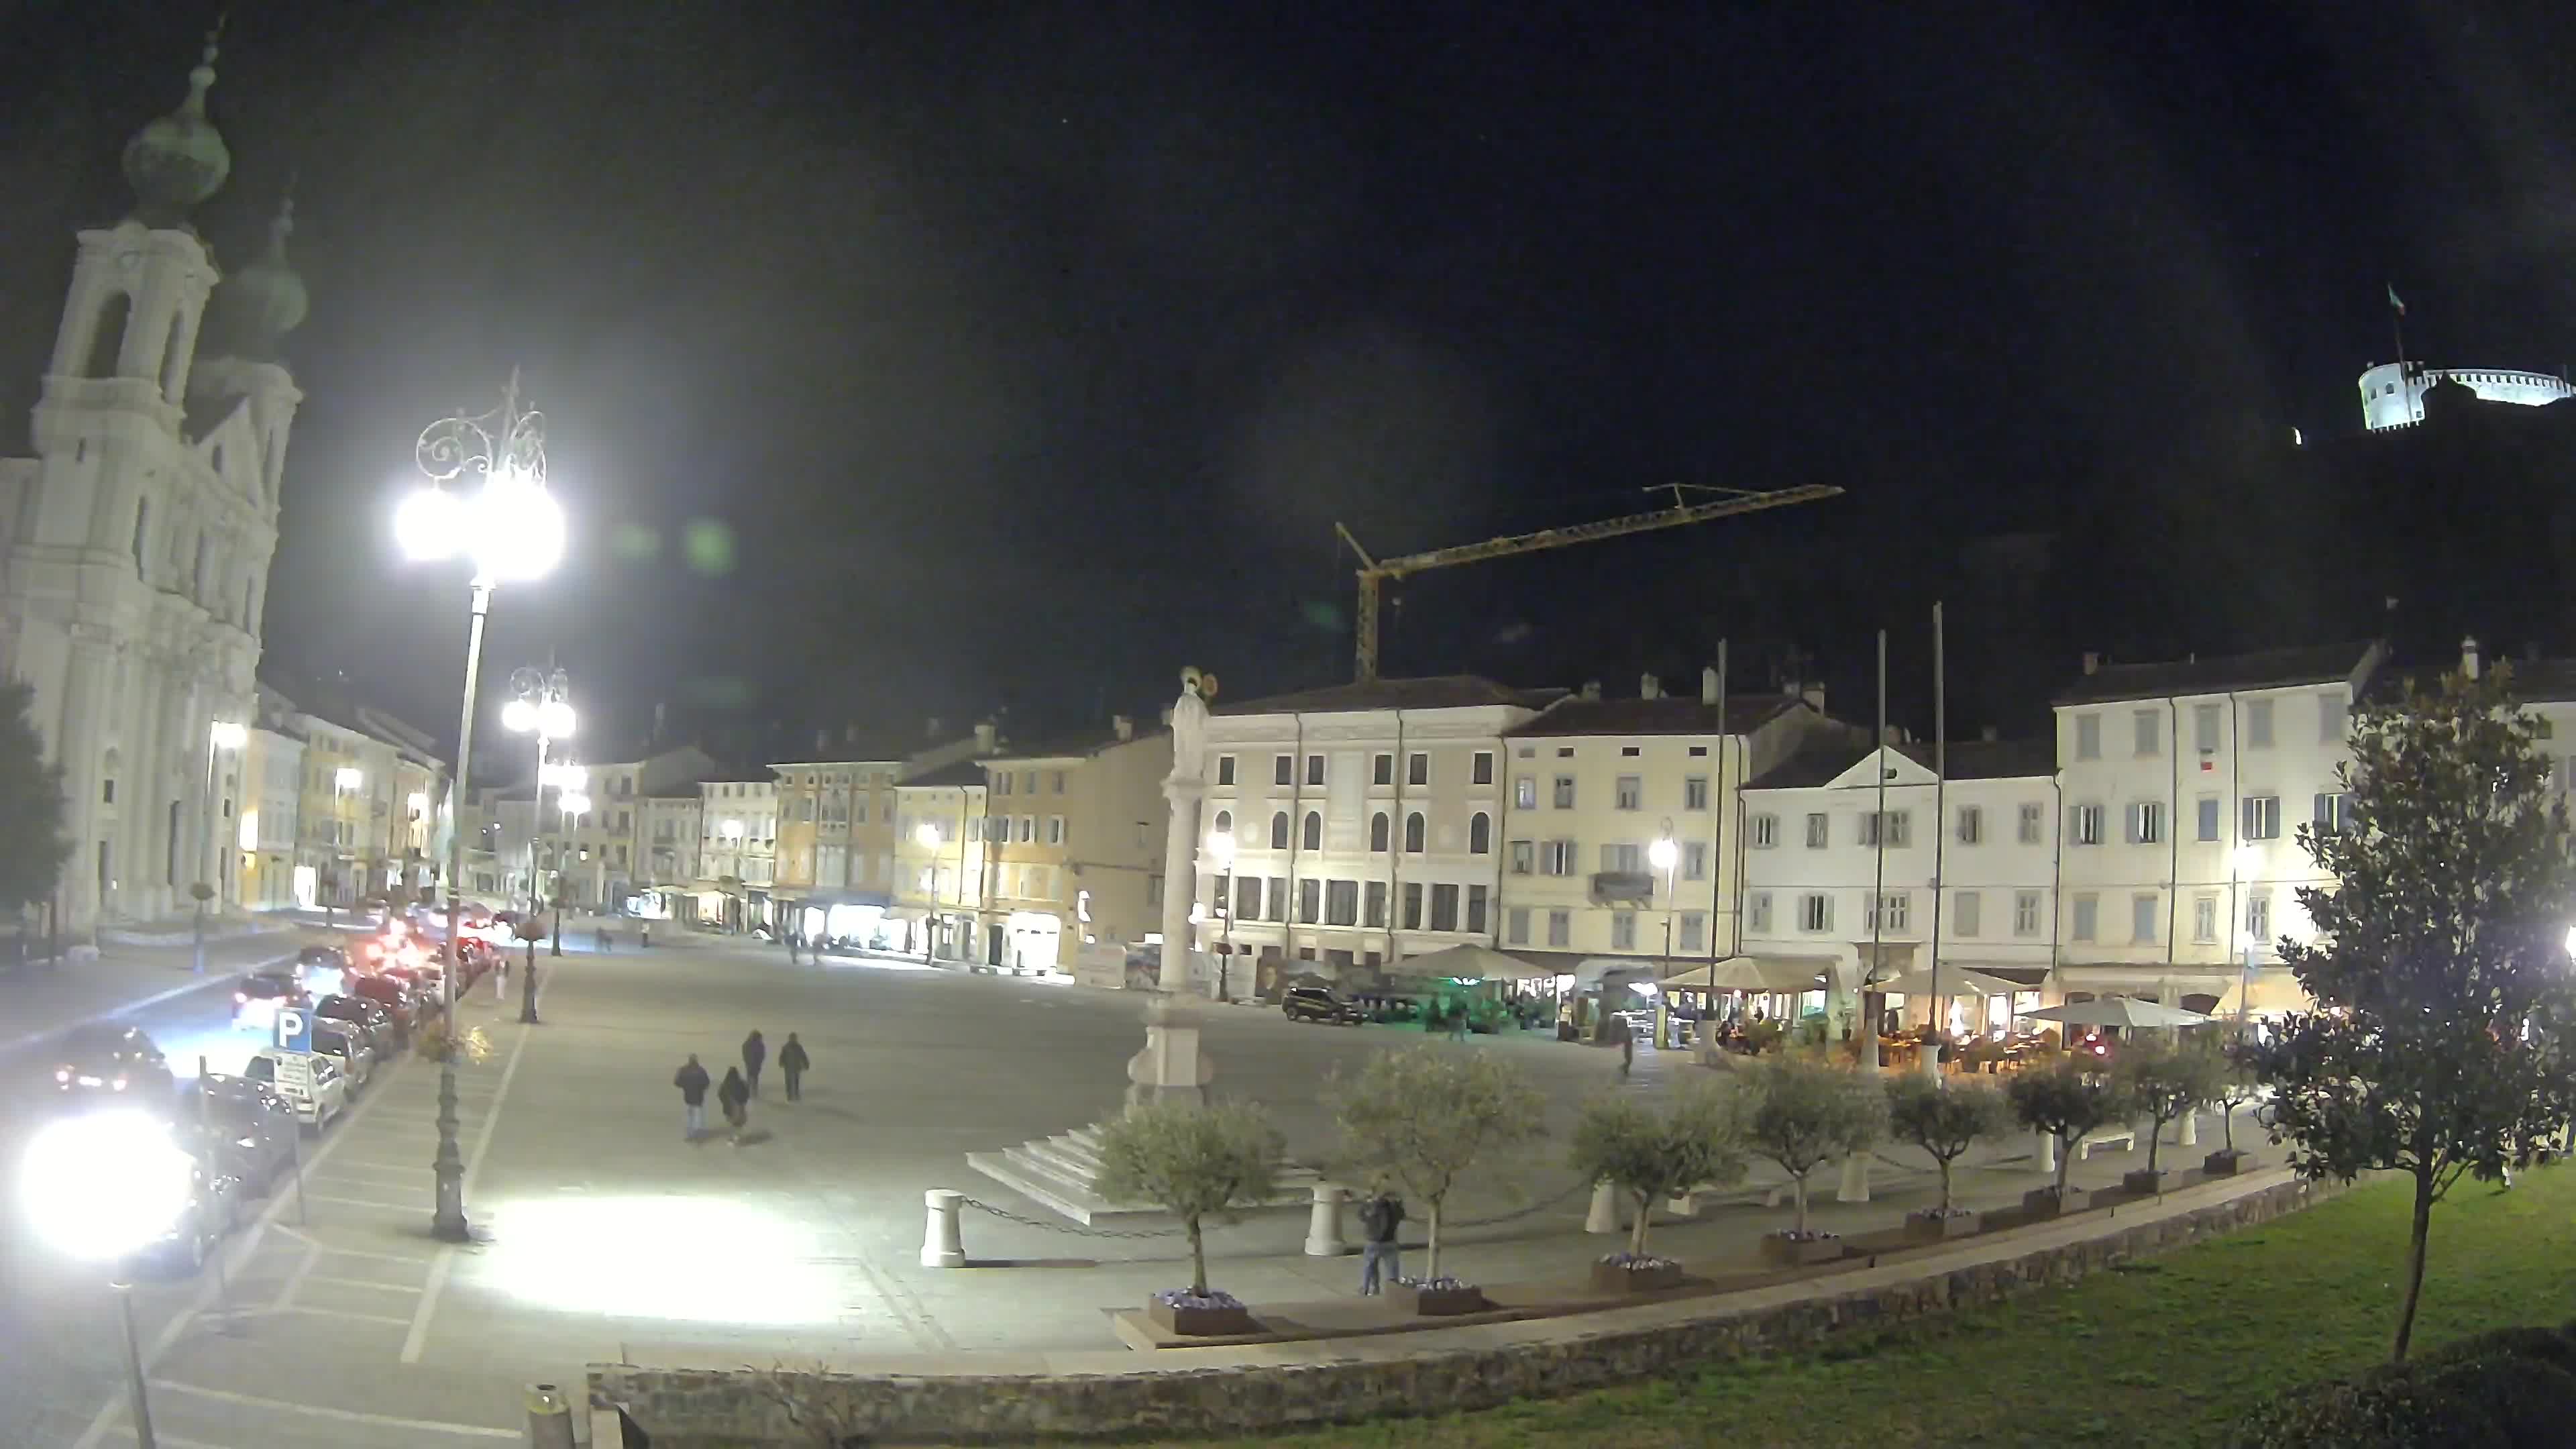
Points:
[[913, 360]]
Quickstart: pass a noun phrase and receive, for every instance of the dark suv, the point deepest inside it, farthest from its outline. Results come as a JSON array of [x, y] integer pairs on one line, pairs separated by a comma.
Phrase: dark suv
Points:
[[105, 1060], [1316, 1003]]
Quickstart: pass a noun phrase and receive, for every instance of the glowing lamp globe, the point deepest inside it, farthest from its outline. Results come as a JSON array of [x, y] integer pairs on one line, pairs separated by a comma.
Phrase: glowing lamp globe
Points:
[[1663, 853], [574, 803], [519, 716], [555, 718], [1220, 848], [228, 735], [104, 1185], [511, 529], [928, 835]]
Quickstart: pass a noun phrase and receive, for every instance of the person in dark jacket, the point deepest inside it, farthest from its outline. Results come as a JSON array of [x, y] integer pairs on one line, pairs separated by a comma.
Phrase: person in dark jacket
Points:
[[1380, 1216], [735, 1098], [754, 1052], [793, 1061], [692, 1082]]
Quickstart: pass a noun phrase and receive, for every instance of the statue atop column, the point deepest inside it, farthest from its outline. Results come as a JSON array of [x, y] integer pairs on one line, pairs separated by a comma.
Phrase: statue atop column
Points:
[[1189, 724]]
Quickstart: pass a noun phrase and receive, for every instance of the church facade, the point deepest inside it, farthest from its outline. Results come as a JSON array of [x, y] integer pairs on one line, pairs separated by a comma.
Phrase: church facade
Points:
[[134, 569]]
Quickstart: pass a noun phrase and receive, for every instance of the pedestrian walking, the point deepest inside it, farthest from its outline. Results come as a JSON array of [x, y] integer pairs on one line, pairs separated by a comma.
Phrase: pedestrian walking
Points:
[[791, 950], [692, 1082], [793, 1061], [1380, 1216], [1458, 1022], [1627, 1045], [735, 1098], [754, 1052]]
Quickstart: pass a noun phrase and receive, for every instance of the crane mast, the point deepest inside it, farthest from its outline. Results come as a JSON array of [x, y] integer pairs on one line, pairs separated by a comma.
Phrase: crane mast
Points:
[[1373, 572]]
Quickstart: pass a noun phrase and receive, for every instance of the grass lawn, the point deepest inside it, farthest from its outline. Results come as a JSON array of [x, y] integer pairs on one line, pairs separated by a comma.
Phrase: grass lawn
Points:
[[2165, 1352]]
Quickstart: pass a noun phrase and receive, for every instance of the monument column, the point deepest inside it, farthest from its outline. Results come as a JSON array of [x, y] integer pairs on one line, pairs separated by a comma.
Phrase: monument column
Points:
[[1171, 1063]]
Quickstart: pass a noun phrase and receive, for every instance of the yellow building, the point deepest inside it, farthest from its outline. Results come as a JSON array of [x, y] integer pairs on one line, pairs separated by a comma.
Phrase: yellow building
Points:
[[939, 862], [836, 872], [1073, 842]]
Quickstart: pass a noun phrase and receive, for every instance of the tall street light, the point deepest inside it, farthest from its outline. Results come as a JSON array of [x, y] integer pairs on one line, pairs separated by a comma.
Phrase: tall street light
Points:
[[220, 736], [486, 501], [1220, 849], [571, 803], [733, 869], [1662, 855], [540, 704]]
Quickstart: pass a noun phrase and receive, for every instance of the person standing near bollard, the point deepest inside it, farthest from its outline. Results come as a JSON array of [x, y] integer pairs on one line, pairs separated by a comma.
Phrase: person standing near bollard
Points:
[[793, 1061], [1380, 1216], [692, 1082], [735, 1098], [790, 939], [754, 1052]]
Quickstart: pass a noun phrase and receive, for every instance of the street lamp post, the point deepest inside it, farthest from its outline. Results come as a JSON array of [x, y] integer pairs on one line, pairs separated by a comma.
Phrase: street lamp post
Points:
[[928, 835], [1220, 849], [101, 1187], [486, 501], [1662, 855], [571, 803], [220, 735]]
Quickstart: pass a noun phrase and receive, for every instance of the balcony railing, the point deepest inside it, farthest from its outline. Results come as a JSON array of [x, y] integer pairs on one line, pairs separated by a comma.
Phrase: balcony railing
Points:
[[1623, 885]]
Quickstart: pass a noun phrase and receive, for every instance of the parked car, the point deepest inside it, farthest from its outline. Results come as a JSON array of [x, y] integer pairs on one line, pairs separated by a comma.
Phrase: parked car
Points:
[[261, 995], [366, 1019], [347, 1044], [247, 1130], [213, 1210], [322, 968], [1317, 1003], [113, 1061], [313, 1086], [392, 996]]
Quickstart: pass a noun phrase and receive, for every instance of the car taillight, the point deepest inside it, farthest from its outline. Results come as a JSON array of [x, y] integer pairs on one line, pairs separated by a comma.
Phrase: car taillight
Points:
[[241, 998], [62, 1074], [117, 1086]]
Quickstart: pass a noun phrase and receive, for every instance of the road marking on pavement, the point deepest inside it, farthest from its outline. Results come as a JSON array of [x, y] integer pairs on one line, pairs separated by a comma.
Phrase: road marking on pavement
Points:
[[413, 1260], [245, 1248], [363, 1283], [171, 1441], [345, 1416], [220, 976], [418, 1338], [366, 1202], [387, 1319], [294, 1280]]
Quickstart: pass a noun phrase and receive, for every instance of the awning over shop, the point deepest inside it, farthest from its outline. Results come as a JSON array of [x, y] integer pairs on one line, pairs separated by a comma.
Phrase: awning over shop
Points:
[[1473, 963], [1592, 971], [1956, 980], [1754, 973], [2132, 978], [825, 900]]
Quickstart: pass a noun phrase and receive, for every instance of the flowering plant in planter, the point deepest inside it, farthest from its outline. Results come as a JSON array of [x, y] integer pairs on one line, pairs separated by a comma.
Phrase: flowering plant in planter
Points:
[[1636, 1262], [1634, 1272], [1442, 1284], [1184, 1298], [1804, 1235], [1940, 1214], [1436, 1295]]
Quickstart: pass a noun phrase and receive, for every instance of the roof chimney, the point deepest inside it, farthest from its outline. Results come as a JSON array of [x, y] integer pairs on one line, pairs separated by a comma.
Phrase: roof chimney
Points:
[[1649, 687], [934, 727], [1592, 689], [1814, 695], [984, 732], [1708, 685], [2092, 662], [822, 743], [2469, 656], [850, 733], [1123, 725]]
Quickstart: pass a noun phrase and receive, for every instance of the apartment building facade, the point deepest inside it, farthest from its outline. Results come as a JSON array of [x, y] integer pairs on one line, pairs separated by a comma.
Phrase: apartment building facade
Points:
[[1594, 784], [2183, 787], [837, 825], [1864, 865], [272, 783], [1073, 845], [939, 863], [737, 848], [1366, 821]]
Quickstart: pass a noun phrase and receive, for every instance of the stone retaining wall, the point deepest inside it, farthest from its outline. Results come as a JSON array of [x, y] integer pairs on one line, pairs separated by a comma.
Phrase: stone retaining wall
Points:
[[746, 1409]]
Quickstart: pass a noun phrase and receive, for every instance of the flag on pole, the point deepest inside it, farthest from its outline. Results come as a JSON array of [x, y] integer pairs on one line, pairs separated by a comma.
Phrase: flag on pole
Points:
[[2393, 300]]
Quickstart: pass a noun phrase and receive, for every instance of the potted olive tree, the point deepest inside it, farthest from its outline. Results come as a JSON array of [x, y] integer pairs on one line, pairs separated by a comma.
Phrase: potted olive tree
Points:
[[1420, 1120], [1649, 1152], [2064, 1101], [1195, 1162], [1945, 1121], [1802, 1114], [2235, 1083], [2162, 1086]]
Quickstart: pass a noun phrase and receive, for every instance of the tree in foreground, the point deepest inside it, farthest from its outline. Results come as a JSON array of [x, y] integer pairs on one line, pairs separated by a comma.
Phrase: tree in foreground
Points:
[[34, 847], [2162, 1084], [1944, 1121], [2439, 966], [1802, 1114], [1694, 1138], [1195, 1162], [2238, 1081], [2064, 1101], [1422, 1119]]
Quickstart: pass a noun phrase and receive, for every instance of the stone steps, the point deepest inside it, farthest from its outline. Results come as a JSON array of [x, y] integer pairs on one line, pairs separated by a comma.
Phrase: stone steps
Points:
[[1058, 1173]]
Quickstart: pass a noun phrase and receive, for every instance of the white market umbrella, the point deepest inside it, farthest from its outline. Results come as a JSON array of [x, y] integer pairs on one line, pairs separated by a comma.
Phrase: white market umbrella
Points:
[[2118, 1011], [1471, 962], [1747, 973], [1955, 981]]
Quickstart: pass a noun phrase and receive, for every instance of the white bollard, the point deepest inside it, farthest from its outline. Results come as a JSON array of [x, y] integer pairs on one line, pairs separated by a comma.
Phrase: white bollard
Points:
[[2043, 1152], [1324, 1222], [940, 1245], [1603, 1215], [1855, 1183], [549, 1417], [2191, 1129]]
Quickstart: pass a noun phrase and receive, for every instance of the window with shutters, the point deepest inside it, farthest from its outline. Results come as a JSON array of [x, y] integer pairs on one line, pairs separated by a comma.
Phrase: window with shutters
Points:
[[1815, 912], [2143, 910], [2258, 918], [2147, 822], [2088, 737], [1413, 905], [1695, 860], [2148, 724], [1764, 830], [2025, 913], [1563, 798], [1282, 770], [1972, 824], [1342, 903], [2204, 728], [1312, 838], [1757, 912], [1516, 926], [1375, 904], [2084, 825], [1524, 857], [1560, 929], [1966, 909], [2204, 918], [1279, 831], [2262, 817], [1378, 831], [1310, 901], [1444, 907], [2205, 818], [1413, 833], [1480, 833], [2032, 827], [1623, 930], [2258, 724], [1695, 792], [1692, 933], [2088, 917], [2333, 719], [1556, 857], [2333, 812], [1818, 831], [1525, 793]]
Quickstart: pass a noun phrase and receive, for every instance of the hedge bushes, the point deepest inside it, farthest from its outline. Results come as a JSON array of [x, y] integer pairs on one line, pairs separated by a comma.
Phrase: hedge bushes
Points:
[[2497, 1390]]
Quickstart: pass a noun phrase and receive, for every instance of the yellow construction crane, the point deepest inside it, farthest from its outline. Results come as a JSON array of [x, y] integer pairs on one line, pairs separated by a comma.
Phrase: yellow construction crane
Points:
[[1375, 571]]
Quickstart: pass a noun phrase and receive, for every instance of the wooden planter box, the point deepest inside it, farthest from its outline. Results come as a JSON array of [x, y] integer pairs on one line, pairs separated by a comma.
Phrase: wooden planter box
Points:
[[2224, 1163], [1436, 1302], [1941, 1230], [1612, 1278], [1800, 1252], [2143, 1182], [1211, 1322], [2042, 1202]]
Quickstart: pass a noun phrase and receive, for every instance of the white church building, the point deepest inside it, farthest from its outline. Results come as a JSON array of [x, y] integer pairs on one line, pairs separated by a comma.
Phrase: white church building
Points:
[[134, 566], [2392, 393]]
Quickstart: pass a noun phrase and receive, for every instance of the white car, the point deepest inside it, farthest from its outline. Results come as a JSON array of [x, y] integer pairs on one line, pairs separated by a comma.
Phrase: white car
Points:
[[338, 1041], [313, 1085]]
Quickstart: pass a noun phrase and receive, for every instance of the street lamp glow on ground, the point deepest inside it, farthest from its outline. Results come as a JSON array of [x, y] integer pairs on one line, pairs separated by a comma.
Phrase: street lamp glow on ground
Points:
[[101, 1187], [486, 502]]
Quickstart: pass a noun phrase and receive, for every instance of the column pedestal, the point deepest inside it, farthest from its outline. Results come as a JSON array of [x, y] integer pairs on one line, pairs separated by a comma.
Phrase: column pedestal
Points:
[[1603, 1215], [1171, 1065], [1324, 1222], [2044, 1153]]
